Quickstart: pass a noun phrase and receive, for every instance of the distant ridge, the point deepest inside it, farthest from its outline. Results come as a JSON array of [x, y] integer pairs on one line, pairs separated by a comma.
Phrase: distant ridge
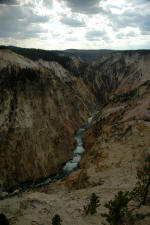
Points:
[[87, 56]]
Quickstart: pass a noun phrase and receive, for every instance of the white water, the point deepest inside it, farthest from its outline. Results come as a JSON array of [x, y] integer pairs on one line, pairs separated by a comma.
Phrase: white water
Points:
[[79, 150]]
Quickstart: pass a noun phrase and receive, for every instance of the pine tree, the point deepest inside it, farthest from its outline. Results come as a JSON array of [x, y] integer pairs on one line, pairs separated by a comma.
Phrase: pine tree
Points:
[[93, 205], [117, 208], [56, 220], [3, 219], [140, 192]]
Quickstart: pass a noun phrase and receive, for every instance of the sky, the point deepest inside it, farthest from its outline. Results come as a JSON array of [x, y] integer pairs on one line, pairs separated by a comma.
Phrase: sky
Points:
[[75, 24]]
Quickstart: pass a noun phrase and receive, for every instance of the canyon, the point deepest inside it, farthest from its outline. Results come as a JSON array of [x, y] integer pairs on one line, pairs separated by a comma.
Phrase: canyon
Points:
[[41, 107], [43, 103]]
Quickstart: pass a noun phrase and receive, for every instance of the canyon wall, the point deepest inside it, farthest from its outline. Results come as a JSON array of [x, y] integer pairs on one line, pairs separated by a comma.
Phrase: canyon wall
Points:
[[118, 142], [42, 104]]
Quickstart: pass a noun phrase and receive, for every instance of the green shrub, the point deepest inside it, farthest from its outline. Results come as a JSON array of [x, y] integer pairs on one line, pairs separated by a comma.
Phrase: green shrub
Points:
[[140, 192], [3, 219], [56, 220], [117, 208], [93, 205]]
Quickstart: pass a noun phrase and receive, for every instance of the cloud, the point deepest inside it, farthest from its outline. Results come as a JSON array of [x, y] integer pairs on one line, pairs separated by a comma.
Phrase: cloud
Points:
[[96, 35], [72, 22], [100, 23], [9, 2], [127, 35], [20, 22], [34, 18], [72, 39], [31, 32], [48, 3], [144, 24], [133, 17], [139, 2], [85, 6]]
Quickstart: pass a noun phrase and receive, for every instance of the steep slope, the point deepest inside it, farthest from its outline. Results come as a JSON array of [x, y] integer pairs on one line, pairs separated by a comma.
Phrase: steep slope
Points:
[[118, 140], [106, 74], [42, 104]]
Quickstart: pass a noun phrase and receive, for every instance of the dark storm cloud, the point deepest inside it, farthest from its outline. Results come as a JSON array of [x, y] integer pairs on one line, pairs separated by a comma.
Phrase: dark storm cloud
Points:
[[96, 35], [9, 2], [72, 22], [20, 22], [85, 6]]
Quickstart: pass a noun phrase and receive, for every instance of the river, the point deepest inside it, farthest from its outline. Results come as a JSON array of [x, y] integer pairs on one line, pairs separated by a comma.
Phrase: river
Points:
[[69, 167], [72, 164]]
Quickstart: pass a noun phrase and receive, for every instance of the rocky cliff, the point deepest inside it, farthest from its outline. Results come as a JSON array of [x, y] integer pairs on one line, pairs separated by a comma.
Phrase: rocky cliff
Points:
[[41, 105], [118, 140]]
